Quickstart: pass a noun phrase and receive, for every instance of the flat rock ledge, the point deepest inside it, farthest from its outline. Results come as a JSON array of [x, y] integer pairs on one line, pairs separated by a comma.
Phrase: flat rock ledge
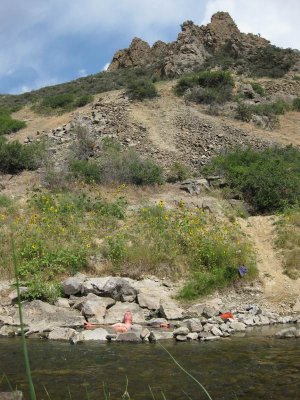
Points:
[[156, 315]]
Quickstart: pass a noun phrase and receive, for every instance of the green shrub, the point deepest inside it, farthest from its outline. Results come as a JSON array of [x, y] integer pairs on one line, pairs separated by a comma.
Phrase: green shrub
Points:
[[208, 87], [245, 112], [296, 104], [141, 89], [178, 172], [296, 78], [59, 101], [268, 180], [88, 171], [83, 100], [5, 201], [8, 124], [258, 88], [15, 157], [271, 61]]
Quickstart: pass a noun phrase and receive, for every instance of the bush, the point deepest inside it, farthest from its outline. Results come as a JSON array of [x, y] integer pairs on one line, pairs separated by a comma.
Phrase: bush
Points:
[[271, 61], [5, 201], [208, 87], [245, 112], [62, 103], [268, 180], [83, 100], [141, 89], [296, 104], [258, 88], [59, 101], [8, 124], [88, 171], [15, 157], [178, 172]]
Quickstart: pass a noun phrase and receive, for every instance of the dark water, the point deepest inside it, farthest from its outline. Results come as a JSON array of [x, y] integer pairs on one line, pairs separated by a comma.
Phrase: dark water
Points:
[[245, 368]]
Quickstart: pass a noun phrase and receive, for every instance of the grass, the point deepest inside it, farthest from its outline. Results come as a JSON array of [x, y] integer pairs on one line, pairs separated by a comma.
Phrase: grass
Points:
[[8, 124], [268, 180], [288, 231], [58, 234]]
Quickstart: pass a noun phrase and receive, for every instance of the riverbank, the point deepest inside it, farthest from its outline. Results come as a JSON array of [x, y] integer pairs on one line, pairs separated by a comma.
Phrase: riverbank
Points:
[[157, 315]]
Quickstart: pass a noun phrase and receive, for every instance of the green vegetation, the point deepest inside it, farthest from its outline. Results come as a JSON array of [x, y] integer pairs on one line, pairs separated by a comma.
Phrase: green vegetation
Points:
[[258, 88], [80, 88], [178, 172], [207, 87], [296, 104], [15, 157], [245, 112], [8, 124], [288, 230], [267, 61], [61, 103], [116, 165], [5, 201], [271, 61], [58, 234], [269, 180], [141, 89]]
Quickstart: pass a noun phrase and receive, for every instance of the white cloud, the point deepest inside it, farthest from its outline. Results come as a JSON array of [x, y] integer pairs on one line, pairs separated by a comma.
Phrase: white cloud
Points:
[[275, 20], [81, 73], [105, 66]]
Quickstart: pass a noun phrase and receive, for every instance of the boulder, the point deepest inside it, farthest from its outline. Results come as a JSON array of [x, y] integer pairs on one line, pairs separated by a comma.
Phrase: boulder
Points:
[[160, 335], [237, 326], [40, 315], [149, 300], [183, 331], [95, 309], [98, 334], [156, 322], [15, 395], [120, 289], [216, 331], [170, 310], [73, 285], [7, 331], [296, 307], [116, 313], [62, 302], [287, 333], [192, 336], [62, 333], [196, 310], [194, 325], [181, 338], [128, 337], [13, 296], [195, 186]]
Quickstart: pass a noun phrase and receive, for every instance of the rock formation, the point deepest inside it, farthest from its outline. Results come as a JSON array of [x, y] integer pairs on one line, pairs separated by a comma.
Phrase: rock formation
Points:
[[192, 47]]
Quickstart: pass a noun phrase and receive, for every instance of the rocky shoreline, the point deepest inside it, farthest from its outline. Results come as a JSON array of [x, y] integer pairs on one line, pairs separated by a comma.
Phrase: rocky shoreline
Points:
[[102, 302]]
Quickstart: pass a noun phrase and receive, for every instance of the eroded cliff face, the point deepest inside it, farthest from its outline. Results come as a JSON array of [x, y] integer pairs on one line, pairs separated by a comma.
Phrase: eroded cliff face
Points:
[[192, 47]]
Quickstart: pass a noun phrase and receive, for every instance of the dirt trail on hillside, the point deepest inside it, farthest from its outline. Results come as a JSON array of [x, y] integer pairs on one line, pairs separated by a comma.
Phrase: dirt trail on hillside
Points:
[[278, 287]]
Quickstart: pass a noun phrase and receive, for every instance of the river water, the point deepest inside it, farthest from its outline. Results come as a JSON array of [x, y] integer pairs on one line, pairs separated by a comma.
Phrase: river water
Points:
[[254, 367]]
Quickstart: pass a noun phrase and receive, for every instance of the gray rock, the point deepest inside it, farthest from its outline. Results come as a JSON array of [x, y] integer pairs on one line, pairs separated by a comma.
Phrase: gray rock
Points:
[[181, 338], [13, 296], [160, 335], [195, 186], [216, 331], [96, 308], [223, 327], [61, 302], [137, 329], [39, 315], [192, 336], [116, 313], [209, 312], [128, 337], [264, 320], [98, 334], [248, 321], [208, 327], [73, 285], [194, 325], [296, 307], [150, 301], [7, 331], [15, 395], [156, 322], [145, 334], [237, 326], [170, 310], [182, 331], [196, 310], [120, 289], [287, 333], [62, 333]]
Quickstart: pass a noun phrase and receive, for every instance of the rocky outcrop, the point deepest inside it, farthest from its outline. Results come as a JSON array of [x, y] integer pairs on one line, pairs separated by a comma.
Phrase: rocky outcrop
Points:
[[192, 47]]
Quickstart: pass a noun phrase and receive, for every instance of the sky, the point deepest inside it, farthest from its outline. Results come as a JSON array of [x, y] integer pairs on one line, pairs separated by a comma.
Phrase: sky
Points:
[[45, 42]]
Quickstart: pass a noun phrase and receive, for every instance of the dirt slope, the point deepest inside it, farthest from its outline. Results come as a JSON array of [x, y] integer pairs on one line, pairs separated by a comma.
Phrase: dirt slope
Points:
[[278, 287]]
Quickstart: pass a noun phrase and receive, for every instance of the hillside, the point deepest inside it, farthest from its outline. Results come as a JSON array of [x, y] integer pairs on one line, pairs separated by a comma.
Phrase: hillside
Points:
[[80, 198]]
